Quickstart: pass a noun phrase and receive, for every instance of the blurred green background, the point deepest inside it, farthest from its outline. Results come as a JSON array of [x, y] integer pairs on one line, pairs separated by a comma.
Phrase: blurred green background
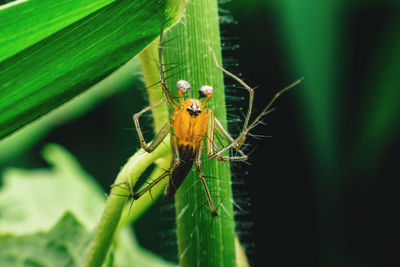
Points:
[[323, 189]]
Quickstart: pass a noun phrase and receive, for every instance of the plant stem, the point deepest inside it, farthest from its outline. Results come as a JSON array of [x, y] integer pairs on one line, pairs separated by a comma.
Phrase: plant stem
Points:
[[131, 172], [160, 117], [202, 239]]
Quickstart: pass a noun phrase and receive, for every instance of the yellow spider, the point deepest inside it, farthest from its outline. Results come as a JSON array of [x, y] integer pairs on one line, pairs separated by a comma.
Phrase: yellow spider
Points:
[[191, 125]]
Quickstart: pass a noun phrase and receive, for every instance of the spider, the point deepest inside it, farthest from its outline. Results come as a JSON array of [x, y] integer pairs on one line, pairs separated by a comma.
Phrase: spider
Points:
[[193, 127]]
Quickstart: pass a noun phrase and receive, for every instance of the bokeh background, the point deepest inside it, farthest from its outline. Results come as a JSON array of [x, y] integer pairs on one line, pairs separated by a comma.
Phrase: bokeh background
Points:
[[322, 188]]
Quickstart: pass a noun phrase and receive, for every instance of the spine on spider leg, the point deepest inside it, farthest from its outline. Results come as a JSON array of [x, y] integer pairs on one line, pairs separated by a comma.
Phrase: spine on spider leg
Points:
[[202, 239], [154, 91]]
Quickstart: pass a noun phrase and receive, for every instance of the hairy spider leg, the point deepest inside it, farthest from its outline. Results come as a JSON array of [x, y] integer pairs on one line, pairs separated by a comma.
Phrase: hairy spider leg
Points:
[[215, 125], [251, 95], [238, 142], [175, 163], [153, 145], [170, 99], [159, 136], [211, 205], [214, 151]]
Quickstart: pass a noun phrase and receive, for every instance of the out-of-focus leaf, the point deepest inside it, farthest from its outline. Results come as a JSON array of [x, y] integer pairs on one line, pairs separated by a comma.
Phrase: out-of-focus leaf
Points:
[[127, 252], [381, 121], [63, 245], [313, 41], [33, 200], [47, 218], [311, 36], [51, 71]]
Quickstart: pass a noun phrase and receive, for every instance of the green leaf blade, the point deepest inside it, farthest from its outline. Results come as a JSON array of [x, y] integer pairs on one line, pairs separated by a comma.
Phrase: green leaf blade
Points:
[[380, 124], [54, 70], [43, 17]]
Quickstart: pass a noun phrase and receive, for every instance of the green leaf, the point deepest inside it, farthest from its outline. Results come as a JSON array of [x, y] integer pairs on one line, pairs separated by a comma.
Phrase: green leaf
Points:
[[380, 124], [312, 29], [33, 200], [61, 246], [312, 46], [50, 71], [127, 253], [124, 78], [47, 217], [44, 18]]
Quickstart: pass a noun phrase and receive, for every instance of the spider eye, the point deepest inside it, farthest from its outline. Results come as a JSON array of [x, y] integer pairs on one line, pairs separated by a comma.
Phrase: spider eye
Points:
[[183, 86], [206, 91]]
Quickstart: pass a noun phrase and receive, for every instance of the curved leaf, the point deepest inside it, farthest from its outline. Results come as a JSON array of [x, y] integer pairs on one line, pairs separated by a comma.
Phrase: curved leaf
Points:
[[51, 71], [44, 18]]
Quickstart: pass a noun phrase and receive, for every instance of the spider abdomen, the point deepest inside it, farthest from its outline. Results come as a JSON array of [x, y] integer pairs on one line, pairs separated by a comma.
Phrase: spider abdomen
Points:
[[187, 154]]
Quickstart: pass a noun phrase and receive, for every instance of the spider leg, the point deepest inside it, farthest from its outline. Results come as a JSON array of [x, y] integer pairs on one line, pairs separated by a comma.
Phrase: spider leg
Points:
[[127, 187], [238, 142], [213, 151], [170, 99], [153, 183], [174, 164], [268, 106], [159, 136], [251, 97], [229, 139], [148, 188], [203, 181]]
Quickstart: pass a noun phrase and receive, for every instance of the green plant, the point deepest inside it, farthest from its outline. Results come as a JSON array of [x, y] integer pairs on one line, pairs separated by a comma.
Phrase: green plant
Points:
[[211, 237], [198, 233], [60, 58], [76, 50]]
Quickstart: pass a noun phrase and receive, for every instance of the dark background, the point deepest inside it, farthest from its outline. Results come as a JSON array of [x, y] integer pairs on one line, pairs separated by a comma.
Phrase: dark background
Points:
[[323, 193], [322, 190]]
